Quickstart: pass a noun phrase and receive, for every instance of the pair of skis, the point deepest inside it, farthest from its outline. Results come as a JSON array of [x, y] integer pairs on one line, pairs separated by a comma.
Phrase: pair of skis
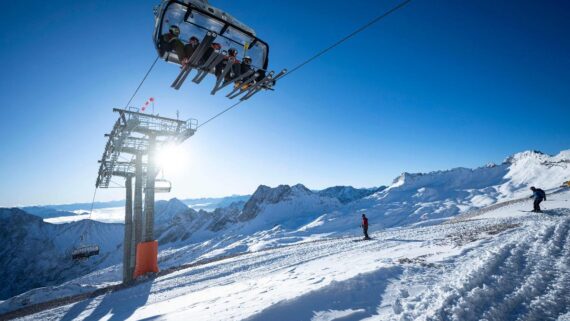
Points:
[[245, 83], [194, 60], [220, 83], [251, 87], [209, 66]]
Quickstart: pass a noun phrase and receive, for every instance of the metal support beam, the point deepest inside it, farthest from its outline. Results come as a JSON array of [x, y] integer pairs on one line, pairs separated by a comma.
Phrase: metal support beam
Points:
[[138, 204], [128, 239], [149, 190]]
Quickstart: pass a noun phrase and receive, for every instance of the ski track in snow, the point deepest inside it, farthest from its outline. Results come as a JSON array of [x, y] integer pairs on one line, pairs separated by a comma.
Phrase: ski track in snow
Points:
[[503, 265], [520, 277]]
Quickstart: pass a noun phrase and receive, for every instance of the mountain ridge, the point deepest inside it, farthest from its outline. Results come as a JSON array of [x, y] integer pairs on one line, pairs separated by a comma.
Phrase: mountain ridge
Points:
[[289, 214]]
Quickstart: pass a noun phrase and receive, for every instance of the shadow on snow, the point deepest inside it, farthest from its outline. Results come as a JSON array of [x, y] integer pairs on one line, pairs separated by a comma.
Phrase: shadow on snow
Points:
[[352, 299], [120, 305]]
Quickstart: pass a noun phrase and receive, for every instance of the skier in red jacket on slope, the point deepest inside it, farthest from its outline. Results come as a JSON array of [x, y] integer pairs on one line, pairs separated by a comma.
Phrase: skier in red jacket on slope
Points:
[[365, 227]]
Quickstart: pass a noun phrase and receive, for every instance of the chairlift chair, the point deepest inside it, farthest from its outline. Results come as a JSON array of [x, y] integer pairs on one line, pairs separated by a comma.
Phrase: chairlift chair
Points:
[[84, 252], [197, 18], [162, 186]]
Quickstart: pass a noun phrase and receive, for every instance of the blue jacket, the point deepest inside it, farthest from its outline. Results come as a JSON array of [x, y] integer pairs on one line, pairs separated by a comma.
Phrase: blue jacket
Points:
[[539, 195]]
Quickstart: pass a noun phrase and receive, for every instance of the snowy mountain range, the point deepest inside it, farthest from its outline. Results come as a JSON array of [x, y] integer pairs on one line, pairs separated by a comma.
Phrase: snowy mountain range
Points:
[[38, 252], [35, 253]]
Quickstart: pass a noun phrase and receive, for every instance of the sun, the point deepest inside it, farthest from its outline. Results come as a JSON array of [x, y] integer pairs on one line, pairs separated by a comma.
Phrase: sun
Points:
[[171, 158]]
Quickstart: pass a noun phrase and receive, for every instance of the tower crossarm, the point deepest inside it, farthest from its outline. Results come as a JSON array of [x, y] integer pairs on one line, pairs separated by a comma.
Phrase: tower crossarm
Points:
[[130, 135], [159, 126]]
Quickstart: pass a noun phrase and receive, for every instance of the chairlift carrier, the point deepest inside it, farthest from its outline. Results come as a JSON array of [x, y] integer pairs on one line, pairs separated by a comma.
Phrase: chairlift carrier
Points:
[[162, 185], [83, 252]]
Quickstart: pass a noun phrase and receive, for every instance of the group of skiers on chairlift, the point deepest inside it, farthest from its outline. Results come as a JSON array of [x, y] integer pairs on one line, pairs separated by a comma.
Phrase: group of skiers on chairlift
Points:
[[172, 42]]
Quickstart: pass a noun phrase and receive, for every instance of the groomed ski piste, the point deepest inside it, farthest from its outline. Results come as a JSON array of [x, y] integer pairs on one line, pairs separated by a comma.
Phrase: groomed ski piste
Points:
[[504, 264]]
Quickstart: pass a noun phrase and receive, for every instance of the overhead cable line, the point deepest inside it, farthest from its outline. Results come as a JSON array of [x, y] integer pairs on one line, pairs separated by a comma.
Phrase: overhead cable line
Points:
[[322, 52], [142, 81], [82, 236], [352, 34], [219, 114]]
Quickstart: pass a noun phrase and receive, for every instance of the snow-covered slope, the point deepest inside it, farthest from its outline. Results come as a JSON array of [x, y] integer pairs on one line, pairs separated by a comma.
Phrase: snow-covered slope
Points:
[[291, 215], [503, 265], [421, 198]]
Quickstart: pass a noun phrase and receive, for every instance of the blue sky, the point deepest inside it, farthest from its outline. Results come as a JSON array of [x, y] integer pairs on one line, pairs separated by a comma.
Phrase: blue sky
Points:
[[439, 84]]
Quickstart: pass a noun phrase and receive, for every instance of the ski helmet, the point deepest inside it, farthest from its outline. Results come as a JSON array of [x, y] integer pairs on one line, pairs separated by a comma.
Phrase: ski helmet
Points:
[[247, 60], [194, 39], [232, 52], [174, 30]]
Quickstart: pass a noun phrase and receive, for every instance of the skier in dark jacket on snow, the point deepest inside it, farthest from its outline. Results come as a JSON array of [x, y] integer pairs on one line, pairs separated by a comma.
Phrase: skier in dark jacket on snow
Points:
[[365, 227], [539, 196]]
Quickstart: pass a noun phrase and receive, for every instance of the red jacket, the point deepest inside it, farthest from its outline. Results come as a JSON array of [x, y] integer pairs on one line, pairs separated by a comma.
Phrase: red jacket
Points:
[[364, 222]]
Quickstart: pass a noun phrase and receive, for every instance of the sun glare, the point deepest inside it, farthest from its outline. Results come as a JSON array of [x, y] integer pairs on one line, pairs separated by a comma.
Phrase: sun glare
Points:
[[171, 159]]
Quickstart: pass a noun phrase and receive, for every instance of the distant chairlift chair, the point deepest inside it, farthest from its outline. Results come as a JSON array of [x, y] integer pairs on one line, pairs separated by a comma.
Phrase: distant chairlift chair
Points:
[[162, 186], [84, 252]]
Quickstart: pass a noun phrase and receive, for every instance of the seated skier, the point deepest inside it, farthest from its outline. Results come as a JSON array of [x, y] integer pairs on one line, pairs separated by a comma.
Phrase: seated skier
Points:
[[213, 48], [262, 74], [244, 67], [539, 196], [189, 48], [170, 42], [234, 70]]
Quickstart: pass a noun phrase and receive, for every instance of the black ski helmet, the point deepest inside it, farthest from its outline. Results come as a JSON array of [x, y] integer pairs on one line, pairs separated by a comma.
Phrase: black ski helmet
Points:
[[174, 30], [232, 52]]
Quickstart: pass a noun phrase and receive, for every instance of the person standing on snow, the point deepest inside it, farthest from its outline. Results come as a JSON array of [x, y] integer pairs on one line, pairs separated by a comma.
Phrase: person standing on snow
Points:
[[539, 196], [365, 227]]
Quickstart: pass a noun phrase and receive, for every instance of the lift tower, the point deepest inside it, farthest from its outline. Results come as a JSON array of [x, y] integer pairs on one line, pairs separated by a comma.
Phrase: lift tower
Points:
[[137, 136]]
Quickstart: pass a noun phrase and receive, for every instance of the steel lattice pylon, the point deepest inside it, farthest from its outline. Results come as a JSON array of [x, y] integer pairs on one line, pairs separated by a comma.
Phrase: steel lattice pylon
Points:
[[130, 135], [137, 136]]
